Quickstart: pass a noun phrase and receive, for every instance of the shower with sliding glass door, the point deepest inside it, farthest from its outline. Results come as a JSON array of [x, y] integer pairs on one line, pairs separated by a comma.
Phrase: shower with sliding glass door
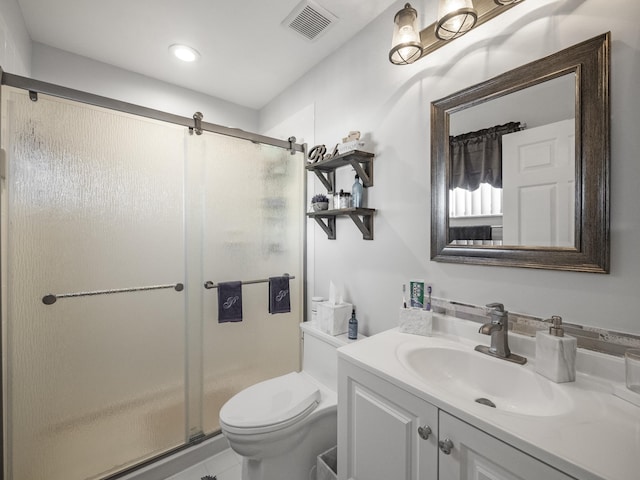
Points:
[[113, 220]]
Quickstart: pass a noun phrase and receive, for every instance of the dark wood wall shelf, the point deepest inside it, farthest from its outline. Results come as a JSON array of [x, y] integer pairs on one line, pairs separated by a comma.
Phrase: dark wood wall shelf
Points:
[[362, 163], [325, 170], [362, 217]]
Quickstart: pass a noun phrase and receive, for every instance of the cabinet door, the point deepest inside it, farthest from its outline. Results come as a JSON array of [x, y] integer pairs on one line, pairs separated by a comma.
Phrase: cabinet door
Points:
[[476, 455], [379, 423]]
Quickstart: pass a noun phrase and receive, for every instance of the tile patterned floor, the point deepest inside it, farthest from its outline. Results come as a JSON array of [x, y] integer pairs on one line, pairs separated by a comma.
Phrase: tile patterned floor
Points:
[[226, 465]]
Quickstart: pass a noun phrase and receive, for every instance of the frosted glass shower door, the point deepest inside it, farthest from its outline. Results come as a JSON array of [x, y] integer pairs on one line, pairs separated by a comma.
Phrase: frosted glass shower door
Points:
[[93, 201], [251, 201]]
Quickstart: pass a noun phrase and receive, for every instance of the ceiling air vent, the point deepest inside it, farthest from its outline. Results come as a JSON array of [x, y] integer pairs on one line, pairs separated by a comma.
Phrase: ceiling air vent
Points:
[[309, 19]]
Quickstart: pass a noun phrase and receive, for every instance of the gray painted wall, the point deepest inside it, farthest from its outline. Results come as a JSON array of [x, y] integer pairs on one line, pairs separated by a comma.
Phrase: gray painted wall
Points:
[[358, 89], [15, 43], [63, 68]]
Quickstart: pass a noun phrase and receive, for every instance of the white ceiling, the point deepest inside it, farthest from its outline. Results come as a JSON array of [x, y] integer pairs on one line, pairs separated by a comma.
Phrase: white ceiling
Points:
[[247, 56]]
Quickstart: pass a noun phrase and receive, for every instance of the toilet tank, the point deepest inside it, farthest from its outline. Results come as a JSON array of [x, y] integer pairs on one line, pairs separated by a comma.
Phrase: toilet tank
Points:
[[319, 356]]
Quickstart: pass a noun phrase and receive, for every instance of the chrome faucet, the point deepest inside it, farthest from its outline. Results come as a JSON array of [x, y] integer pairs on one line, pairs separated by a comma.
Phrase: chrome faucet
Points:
[[498, 328]]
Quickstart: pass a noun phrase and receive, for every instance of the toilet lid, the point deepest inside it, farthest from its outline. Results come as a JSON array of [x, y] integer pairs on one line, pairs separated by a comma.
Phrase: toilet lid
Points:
[[271, 402]]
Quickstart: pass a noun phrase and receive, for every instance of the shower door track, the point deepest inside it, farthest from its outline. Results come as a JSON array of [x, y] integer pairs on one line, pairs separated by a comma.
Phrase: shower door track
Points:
[[38, 86]]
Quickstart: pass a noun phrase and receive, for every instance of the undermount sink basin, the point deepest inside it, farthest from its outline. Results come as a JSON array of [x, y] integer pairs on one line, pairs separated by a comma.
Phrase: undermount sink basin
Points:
[[493, 382]]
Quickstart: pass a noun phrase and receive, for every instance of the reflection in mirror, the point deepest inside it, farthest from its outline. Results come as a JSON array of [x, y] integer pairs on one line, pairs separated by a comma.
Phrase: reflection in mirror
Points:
[[520, 165], [512, 168]]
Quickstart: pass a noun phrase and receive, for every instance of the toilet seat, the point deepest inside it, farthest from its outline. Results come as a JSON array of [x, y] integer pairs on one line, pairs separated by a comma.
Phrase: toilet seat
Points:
[[270, 405]]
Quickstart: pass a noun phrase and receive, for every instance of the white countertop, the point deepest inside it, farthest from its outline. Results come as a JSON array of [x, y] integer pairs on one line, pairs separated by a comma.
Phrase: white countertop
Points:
[[599, 438]]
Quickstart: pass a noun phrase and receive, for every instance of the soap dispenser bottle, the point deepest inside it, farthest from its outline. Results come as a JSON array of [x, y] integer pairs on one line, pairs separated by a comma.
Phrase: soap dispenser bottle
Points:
[[353, 326], [556, 353]]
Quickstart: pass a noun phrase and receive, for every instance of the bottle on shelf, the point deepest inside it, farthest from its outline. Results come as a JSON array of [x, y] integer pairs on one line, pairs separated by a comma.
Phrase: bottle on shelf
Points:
[[335, 197], [345, 199], [356, 193]]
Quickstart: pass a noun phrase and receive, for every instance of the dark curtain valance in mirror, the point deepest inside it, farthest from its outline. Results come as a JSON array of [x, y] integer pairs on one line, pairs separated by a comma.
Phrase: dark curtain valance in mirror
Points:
[[476, 157], [586, 65]]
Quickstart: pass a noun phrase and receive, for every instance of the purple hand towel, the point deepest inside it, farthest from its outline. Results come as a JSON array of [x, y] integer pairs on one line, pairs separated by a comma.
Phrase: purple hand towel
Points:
[[229, 302], [279, 298]]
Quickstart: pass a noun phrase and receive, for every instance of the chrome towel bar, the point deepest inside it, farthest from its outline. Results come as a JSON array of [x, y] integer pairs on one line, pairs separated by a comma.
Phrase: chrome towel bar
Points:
[[52, 298], [209, 284]]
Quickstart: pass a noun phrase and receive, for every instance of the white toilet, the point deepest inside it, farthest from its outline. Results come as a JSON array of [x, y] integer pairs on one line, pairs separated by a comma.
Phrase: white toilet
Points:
[[281, 425]]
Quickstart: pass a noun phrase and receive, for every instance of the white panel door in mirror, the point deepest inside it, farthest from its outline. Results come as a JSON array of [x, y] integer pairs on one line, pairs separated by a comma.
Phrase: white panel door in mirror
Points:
[[539, 186]]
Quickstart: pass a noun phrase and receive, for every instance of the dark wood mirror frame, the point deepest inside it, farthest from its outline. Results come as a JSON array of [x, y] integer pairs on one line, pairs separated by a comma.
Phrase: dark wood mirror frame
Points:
[[590, 62]]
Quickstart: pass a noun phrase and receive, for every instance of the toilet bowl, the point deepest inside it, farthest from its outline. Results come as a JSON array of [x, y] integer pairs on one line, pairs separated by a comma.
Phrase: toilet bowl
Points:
[[280, 426]]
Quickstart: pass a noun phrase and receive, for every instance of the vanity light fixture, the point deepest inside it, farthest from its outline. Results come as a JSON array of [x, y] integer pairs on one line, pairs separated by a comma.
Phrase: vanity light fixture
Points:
[[405, 45], [455, 18], [184, 53]]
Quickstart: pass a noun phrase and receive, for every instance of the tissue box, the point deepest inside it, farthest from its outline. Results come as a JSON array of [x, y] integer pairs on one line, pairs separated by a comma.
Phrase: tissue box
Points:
[[334, 319], [350, 146], [416, 321]]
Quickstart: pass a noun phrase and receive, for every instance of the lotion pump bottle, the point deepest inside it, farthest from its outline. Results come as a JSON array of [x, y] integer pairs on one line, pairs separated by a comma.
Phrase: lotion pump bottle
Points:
[[556, 353]]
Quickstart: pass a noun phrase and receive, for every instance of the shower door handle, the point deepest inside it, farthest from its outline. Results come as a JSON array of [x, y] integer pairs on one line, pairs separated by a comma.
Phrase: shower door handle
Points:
[[52, 298]]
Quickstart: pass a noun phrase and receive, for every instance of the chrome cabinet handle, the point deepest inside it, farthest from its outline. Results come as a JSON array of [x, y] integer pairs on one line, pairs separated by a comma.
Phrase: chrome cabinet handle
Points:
[[446, 446], [424, 432]]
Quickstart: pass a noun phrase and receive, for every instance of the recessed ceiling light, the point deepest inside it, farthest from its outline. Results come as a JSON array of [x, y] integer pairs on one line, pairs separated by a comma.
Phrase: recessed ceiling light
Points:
[[184, 53]]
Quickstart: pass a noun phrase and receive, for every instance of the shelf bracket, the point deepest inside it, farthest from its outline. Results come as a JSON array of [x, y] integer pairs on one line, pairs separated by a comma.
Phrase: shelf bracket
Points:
[[364, 170], [328, 179], [329, 227], [365, 225]]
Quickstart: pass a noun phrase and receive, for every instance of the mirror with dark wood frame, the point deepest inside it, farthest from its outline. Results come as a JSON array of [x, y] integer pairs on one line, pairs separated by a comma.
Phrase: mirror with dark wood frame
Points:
[[486, 144]]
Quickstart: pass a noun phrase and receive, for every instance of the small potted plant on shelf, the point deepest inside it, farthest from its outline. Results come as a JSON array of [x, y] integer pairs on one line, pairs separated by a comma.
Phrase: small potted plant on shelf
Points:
[[319, 202]]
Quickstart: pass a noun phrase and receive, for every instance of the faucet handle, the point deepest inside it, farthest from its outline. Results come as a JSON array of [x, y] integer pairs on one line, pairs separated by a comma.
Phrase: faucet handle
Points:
[[496, 306]]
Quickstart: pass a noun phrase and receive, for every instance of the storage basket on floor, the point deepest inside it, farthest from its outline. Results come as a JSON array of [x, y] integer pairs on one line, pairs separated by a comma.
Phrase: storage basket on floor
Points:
[[327, 465]]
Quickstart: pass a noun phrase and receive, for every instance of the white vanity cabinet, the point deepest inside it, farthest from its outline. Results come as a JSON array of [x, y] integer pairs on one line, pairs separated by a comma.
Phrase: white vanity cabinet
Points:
[[385, 432], [476, 455]]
